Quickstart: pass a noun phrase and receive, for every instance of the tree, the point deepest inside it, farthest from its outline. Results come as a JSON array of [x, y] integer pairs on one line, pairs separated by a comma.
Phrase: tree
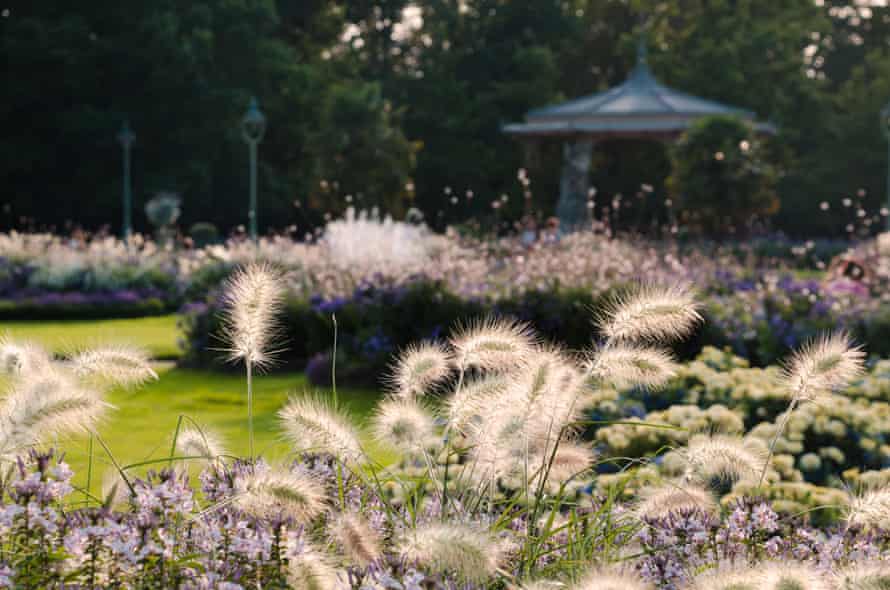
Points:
[[722, 180]]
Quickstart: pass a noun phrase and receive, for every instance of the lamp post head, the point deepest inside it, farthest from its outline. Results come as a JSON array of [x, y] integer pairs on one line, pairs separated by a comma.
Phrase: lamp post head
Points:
[[253, 125], [885, 120], [125, 136]]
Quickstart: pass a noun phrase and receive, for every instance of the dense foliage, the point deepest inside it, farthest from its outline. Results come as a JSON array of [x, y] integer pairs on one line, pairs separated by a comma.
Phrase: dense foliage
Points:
[[400, 103]]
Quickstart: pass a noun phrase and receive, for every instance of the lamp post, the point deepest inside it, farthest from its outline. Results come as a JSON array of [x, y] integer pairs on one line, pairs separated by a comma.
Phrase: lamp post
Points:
[[885, 127], [253, 126], [126, 138]]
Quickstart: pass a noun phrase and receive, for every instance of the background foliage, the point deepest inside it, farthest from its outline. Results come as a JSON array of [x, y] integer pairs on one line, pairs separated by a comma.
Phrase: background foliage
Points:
[[364, 110]]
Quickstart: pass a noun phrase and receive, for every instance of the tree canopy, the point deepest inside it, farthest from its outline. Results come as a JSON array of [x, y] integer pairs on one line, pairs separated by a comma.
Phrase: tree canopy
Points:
[[398, 104]]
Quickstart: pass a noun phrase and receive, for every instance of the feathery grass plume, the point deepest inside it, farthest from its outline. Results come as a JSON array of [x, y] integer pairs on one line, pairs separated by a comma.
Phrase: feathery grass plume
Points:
[[311, 569], [194, 442], [418, 368], [660, 501], [402, 424], [652, 313], [791, 576], [724, 458], [870, 509], [473, 400], [550, 394], [120, 365], [44, 405], [252, 299], [358, 541], [569, 461], [471, 554], [728, 577], [18, 358], [542, 585], [313, 425], [626, 365], [272, 493], [826, 364], [612, 578], [494, 344], [874, 575]]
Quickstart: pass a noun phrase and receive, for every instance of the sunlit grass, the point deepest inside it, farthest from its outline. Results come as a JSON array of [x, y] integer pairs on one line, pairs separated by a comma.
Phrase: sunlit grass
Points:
[[157, 334], [142, 426]]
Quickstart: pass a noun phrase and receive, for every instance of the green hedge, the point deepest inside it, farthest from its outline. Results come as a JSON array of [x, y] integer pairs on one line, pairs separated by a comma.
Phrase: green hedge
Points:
[[26, 310]]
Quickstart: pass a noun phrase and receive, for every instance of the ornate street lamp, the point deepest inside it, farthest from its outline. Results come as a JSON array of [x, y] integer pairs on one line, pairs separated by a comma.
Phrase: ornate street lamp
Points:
[[885, 127], [253, 127], [126, 138]]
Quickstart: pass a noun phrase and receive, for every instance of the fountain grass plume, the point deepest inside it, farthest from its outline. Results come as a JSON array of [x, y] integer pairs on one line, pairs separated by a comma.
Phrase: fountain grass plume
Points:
[[194, 442], [314, 425], [47, 404], [651, 313], [826, 364], [18, 358], [493, 344], [872, 575], [312, 569], [625, 365], [252, 299], [116, 364], [660, 501], [611, 578], [473, 400], [403, 424], [280, 493], [870, 508], [418, 368], [791, 576], [724, 458], [356, 539], [470, 553]]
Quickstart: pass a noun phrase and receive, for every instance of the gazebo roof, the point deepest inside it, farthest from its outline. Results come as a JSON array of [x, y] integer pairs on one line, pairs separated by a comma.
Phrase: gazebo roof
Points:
[[640, 106]]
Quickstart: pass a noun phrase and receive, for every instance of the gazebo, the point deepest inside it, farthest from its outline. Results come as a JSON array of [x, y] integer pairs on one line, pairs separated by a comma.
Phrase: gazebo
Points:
[[640, 108]]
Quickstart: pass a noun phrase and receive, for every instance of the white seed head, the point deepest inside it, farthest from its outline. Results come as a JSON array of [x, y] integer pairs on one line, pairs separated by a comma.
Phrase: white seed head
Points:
[[671, 497], [311, 569], [471, 554], [612, 578], [724, 458], [870, 509], [791, 576], [314, 426], [873, 575], [493, 344], [120, 365], [569, 461], [45, 405], [252, 299], [17, 358], [419, 368], [270, 493], [355, 537], [826, 364], [626, 365], [473, 400], [651, 313], [403, 424], [194, 442]]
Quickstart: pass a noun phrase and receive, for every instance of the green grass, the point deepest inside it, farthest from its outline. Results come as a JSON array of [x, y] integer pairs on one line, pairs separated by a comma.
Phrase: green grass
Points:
[[157, 334], [142, 426]]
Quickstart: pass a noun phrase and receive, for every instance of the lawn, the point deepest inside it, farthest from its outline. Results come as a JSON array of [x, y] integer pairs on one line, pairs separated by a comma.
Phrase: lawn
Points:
[[158, 334], [142, 426]]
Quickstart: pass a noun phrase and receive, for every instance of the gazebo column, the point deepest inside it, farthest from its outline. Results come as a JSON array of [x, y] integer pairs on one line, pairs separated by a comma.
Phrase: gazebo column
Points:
[[574, 183]]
